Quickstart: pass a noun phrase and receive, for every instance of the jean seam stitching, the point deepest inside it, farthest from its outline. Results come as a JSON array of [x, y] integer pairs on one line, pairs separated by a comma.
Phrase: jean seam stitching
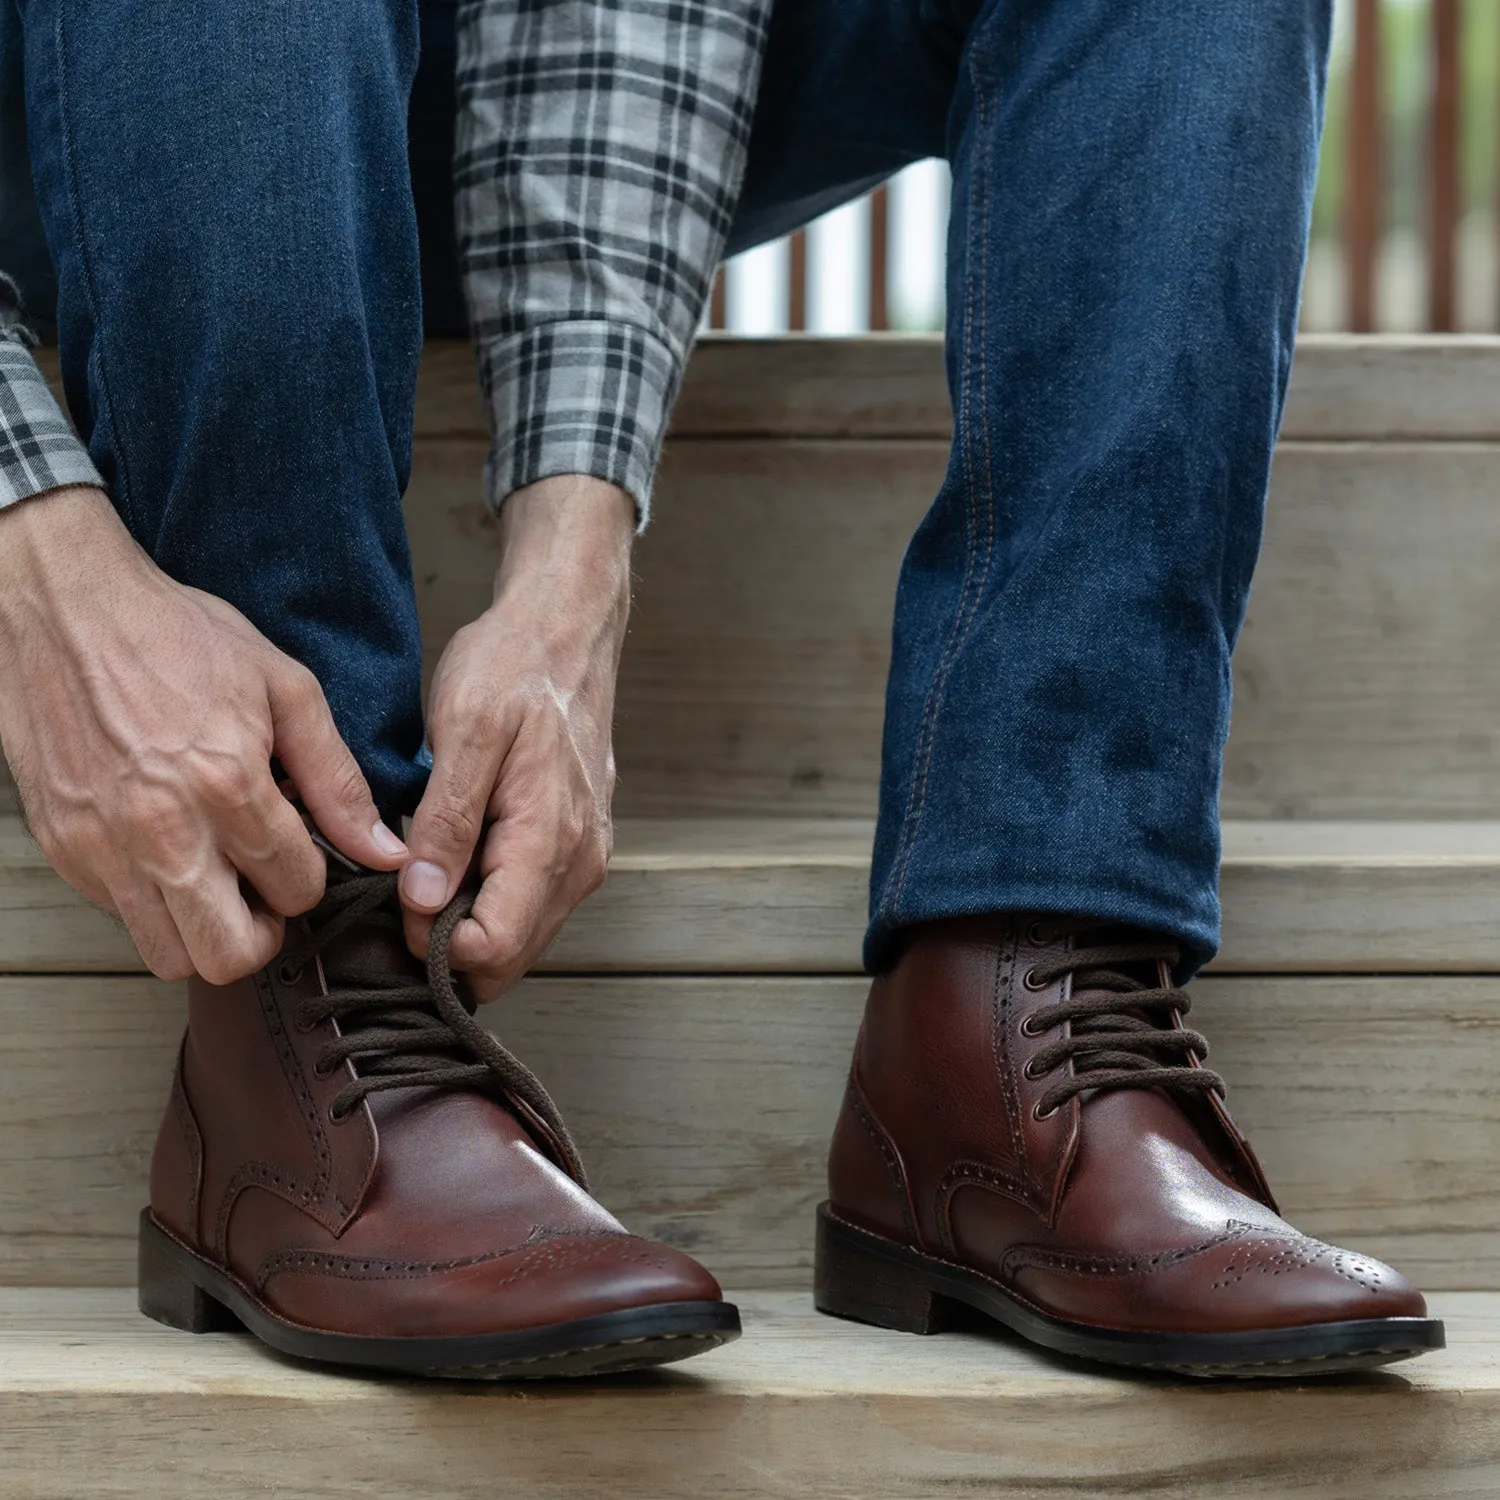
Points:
[[973, 588]]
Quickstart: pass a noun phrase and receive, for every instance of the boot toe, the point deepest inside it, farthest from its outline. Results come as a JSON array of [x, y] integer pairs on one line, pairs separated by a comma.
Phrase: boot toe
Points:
[[559, 1279]]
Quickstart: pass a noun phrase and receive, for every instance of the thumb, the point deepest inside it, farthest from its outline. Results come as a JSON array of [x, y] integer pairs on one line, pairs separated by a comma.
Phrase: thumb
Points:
[[324, 772], [447, 824]]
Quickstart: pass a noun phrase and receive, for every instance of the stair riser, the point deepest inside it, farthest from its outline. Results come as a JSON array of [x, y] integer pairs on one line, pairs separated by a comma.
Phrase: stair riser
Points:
[[648, 1443], [704, 1106], [754, 675], [807, 916]]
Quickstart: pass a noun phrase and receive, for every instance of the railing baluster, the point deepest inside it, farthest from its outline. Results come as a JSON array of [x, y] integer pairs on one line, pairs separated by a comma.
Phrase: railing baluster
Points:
[[1442, 167], [718, 306], [1365, 166], [880, 239], [796, 318]]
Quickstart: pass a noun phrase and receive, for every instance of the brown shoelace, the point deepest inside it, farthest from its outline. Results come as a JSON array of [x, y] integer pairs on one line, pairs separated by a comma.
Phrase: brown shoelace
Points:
[[398, 1031], [1115, 1041]]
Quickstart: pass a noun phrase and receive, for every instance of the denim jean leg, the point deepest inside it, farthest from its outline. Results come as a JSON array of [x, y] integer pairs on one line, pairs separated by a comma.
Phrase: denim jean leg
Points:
[[228, 205], [1132, 190]]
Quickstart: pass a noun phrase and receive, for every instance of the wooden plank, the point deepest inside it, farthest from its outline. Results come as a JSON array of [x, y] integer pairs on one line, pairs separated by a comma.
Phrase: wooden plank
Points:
[[703, 1107], [1345, 387], [788, 896], [95, 1400], [754, 677]]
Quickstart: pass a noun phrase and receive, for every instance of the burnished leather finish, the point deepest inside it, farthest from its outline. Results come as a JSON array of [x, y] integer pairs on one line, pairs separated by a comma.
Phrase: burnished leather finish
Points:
[[1130, 1209], [424, 1213]]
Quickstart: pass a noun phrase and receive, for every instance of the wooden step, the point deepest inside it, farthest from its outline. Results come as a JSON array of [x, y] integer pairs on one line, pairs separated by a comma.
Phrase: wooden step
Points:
[[754, 675], [704, 1105], [94, 1400], [783, 895]]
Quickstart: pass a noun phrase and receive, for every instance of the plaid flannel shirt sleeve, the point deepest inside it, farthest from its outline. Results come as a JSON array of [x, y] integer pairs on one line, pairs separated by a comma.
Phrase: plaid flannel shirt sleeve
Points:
[[601, 149], [38, 450]]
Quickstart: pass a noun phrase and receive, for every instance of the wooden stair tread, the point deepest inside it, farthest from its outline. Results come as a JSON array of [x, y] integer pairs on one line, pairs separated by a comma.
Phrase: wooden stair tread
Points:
[[786, 895], [94, 1338], [803, 1405]]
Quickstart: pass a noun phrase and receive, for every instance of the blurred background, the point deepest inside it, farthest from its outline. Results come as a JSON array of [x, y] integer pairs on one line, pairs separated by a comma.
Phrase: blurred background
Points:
[[1406, 228]]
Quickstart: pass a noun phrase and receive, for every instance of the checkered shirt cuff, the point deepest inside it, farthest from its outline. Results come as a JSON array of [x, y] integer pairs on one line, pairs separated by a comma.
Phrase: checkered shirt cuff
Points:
[[38, 450], [578, 398]]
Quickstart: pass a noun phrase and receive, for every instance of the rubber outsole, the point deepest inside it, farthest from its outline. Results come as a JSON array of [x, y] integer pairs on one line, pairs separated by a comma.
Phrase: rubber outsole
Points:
[[868, 1279], [181, 1289]]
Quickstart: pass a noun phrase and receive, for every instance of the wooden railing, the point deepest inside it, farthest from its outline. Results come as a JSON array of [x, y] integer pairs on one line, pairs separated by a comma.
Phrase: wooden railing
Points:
[[1355, 232]]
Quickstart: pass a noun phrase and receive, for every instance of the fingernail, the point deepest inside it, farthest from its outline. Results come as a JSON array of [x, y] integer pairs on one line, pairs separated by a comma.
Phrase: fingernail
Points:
[[386, 841], [423, 884]]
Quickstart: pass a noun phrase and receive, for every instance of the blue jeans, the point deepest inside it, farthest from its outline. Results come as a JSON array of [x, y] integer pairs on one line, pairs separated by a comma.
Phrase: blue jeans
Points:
[[240, 322]]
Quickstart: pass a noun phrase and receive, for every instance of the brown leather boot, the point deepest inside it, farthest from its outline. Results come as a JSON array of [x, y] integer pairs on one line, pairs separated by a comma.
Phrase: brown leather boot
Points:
[[1029, 1131], [358, 1172]]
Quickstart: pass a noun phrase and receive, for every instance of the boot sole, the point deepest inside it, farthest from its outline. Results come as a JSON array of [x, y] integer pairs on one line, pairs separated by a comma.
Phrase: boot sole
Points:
[[868, 1279], [181, 1289]]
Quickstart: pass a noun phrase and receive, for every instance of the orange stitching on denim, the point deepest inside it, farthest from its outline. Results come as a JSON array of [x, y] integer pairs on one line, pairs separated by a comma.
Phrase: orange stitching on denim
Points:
[[968, 607]]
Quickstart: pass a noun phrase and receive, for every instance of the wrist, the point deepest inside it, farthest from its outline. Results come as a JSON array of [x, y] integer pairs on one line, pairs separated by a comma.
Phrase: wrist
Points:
[[58, 542], [570, 535]]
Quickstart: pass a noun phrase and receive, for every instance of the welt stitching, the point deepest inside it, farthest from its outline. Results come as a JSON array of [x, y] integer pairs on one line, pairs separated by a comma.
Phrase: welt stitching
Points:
[[968, 607], [887, 1150]]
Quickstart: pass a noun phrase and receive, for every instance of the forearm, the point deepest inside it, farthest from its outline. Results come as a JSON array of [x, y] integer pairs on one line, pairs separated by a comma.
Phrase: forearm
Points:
[[601, 148]]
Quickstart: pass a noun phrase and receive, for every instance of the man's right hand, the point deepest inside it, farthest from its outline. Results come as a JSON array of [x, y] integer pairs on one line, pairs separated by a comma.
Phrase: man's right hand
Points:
[[140, 718]]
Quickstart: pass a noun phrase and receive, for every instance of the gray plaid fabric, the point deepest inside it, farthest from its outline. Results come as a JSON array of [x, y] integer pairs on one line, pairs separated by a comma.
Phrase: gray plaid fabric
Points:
[[37, 448], [601, 145], [601, 148]]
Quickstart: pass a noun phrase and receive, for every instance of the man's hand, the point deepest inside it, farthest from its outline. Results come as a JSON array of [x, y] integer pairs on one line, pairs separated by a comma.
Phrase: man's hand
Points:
[[140, 718], [519, 722]]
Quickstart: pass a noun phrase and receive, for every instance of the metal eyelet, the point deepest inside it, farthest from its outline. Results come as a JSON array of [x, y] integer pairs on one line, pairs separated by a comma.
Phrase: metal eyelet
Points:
[[289, 973], [301, 1026], [1039, 1114], [1036, 937], [1029, 979], [1030, 1073], [1028, 1028], [320, 1072], [335, 1118]]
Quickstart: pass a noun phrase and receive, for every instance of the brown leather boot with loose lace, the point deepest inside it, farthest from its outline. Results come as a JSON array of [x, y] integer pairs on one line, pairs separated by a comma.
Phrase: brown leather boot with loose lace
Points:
[[1029, 1132], [357, 1172]]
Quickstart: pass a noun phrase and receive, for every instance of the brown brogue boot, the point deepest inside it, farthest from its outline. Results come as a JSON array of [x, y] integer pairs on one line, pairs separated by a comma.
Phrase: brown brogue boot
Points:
[[359, 1173], [1029, 1132]]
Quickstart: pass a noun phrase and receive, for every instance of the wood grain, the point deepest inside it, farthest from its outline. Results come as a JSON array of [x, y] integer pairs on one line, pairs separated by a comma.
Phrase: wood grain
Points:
[[94, 1400], [703, 1107], [754, 676], [1344, 387], [787, 896]]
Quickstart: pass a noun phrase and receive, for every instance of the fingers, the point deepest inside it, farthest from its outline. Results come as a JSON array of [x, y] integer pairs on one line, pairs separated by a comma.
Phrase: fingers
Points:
[[536, 871], [225, 936], [154, 933], [467, 752], [268, 843], [326, 775]]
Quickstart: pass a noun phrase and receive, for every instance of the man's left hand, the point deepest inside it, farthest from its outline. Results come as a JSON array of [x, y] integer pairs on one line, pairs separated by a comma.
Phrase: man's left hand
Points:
[[519, 722]]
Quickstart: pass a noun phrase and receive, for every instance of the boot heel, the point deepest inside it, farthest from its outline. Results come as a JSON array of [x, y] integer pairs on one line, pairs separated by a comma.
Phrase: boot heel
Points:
[[853, 1281], [167, 1291]]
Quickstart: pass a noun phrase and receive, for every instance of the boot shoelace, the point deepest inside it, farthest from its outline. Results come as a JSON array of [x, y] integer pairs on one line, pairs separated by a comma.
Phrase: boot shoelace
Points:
[[1110, 1044], [398, 1031]]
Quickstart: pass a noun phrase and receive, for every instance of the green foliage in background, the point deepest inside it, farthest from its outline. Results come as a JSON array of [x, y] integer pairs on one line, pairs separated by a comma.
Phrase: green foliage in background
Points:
[[1407, 78]]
